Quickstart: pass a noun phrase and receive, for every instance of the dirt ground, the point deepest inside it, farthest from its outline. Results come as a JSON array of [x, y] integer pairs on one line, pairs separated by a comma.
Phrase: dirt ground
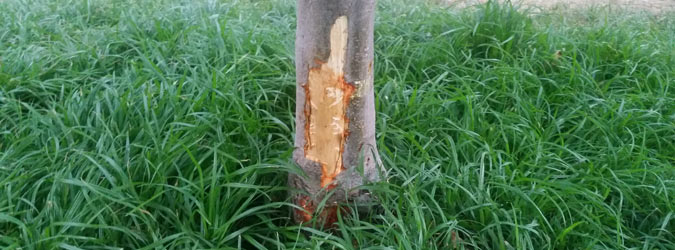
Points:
[[653, 6]]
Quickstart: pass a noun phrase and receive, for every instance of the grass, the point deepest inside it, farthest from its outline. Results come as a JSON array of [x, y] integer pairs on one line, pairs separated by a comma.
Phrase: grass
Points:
[[168, 125]]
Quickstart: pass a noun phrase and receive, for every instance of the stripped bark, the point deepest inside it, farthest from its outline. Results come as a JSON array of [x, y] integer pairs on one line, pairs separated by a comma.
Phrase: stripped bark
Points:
[[335, 110]]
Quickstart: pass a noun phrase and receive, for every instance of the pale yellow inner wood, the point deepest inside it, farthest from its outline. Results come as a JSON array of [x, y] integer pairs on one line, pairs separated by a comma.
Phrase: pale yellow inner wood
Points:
[[328, 96]]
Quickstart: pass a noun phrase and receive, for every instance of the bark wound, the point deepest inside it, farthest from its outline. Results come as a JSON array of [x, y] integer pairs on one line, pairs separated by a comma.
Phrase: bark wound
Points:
[[305, 203], [327, 98], [327, 217]]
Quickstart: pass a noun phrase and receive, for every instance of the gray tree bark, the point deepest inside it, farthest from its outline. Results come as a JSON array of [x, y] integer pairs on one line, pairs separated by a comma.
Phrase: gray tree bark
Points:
[[335, 108]]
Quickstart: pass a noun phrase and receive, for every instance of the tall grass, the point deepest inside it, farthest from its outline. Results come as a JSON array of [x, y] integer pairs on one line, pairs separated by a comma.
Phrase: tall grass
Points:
[[168, 125]]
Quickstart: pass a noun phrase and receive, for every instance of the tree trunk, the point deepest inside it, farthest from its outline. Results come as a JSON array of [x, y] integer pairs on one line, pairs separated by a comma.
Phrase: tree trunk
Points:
[[335, 108]]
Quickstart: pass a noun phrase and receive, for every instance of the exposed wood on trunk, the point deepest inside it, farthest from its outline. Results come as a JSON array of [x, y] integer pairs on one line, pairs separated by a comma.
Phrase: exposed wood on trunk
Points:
[[335, 111], [326, 100]]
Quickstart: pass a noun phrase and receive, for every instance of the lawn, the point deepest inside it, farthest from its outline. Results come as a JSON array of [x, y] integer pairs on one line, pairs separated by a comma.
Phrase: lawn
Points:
[[168, 124]]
